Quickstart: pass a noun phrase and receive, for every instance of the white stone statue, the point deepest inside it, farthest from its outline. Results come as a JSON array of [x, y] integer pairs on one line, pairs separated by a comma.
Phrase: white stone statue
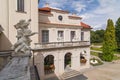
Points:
[[22, 46]]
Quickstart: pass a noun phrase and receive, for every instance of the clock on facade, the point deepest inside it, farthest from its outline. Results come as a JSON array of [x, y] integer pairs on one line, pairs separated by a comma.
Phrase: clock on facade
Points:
[[60, 17]]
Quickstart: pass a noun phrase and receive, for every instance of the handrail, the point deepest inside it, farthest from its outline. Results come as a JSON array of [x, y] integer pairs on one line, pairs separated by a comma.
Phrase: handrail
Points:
[[61, 44]]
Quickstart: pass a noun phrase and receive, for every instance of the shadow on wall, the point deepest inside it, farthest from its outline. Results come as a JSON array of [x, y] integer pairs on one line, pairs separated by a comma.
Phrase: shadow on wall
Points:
[[5, 44]]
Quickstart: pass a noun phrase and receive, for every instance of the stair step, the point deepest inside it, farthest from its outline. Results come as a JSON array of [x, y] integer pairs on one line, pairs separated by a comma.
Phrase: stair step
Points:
[[70, 74]]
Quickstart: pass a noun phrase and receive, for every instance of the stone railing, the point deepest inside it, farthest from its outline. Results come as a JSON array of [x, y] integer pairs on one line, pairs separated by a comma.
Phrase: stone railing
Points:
[[61, 44], [4, 58]]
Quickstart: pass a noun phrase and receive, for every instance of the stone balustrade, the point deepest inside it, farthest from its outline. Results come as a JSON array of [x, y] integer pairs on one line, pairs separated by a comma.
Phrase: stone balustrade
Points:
[[61, 44]]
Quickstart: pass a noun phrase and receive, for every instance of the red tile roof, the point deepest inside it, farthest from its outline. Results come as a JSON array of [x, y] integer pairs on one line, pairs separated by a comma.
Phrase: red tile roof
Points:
[[45, 9], [76, 17], [49, 9], [85, 25]]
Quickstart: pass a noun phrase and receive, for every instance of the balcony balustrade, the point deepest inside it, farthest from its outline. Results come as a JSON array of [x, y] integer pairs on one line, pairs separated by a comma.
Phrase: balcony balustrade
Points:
[[61, 44]]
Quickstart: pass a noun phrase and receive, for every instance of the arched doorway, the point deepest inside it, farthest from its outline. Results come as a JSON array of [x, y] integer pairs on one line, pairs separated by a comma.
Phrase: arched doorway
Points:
[[67, 61], [49, 64], [83, 59]]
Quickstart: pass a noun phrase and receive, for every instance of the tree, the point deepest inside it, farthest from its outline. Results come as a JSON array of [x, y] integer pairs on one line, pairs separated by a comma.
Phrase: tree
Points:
[[97, 36], [117, 32], [109, 43]]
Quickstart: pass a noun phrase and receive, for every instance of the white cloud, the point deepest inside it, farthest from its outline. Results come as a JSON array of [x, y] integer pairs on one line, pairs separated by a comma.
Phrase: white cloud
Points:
[[78, 6], [89, 1], [107, 9], [56, 4], [96, 18]]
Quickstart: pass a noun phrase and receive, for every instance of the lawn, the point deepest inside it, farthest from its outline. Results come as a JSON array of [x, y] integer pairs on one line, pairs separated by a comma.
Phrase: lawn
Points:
[[97, 44], [96, 48], [94, 53], [97, 54], [116, 57]]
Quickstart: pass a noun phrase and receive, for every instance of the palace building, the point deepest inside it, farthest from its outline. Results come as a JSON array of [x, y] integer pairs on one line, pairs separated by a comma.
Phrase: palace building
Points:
[[63, 44]]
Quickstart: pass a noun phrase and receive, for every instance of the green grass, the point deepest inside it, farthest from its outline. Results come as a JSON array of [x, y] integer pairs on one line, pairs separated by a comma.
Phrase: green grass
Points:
[[116, 52], [97, 44], [116, 57], [94, 53], [95, 48]]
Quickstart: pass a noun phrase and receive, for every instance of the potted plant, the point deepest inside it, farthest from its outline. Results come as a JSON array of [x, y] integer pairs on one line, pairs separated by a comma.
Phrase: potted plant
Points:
[[83, 60], [52, 67]]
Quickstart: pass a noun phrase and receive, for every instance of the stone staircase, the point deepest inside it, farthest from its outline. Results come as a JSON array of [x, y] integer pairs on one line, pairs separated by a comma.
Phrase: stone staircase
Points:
[[69, 74]]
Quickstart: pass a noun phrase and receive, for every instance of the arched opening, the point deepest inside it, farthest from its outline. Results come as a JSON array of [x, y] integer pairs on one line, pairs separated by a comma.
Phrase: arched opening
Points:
[[83, 60], [67, 61], [49, 64]]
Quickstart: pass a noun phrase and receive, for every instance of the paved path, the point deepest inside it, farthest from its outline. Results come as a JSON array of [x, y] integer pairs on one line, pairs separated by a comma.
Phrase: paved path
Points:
[[105, 72], [108, 71]]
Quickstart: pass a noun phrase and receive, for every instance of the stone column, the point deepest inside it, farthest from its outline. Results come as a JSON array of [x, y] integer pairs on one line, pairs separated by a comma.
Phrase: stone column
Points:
[[75, 61]]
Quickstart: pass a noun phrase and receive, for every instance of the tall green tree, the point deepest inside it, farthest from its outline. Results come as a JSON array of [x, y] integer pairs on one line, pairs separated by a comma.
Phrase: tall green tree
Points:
[[117, 32], [109, 42]]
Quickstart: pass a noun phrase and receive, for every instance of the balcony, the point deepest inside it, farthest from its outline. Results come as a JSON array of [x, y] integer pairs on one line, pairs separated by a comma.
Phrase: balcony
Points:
[[61, 44]]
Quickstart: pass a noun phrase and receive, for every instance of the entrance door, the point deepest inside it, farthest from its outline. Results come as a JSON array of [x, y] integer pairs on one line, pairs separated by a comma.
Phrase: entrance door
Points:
[[49, 64], [67, 61]]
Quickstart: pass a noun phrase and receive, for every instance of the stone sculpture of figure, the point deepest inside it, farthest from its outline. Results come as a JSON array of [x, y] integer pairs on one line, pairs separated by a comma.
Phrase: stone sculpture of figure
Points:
[[23, 36]]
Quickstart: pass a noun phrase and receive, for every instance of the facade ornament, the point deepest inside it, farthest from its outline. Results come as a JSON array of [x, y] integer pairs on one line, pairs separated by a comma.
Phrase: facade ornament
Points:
[[22, 46]]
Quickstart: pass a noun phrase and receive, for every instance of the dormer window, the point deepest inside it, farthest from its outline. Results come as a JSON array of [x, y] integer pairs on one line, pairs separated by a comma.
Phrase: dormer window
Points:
[[20, 5]]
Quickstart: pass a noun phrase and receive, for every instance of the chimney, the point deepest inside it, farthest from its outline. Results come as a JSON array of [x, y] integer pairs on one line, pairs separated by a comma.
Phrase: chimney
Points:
[[46, 4]]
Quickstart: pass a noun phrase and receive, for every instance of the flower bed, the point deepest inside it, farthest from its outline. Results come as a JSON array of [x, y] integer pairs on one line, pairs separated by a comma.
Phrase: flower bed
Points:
[[95, 62]]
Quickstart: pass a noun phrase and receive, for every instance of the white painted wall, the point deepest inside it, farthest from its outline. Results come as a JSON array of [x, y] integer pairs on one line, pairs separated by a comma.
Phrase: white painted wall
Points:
[[53, 29], [59, 56], [53, 33], [54, 18], [86, 34], [9, 17]]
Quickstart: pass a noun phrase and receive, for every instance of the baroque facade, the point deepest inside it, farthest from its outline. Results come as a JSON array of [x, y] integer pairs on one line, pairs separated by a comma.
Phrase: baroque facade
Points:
[[63, 43]]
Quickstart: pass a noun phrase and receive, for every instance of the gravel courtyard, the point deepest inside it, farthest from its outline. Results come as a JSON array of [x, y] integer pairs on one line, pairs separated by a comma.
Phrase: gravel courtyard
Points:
[[109, 71]]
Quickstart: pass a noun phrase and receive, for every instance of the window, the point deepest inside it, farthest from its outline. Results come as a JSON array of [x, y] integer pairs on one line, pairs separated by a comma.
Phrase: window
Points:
[[72, 35], [60, 34], [20, 5], [82, 36], [45, 36]]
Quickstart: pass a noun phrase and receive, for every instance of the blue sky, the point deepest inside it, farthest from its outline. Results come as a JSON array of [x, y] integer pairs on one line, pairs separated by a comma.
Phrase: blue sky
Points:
[[94, 12]]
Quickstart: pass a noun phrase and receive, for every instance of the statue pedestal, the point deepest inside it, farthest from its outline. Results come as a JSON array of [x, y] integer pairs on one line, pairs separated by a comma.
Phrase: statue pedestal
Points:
[[16, 69]]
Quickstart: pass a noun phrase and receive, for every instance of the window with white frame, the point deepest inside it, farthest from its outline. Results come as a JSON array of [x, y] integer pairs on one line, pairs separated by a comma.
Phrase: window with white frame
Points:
[[45, 36], [82, 36], [20, 5], [72, 35], [60, 34]]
